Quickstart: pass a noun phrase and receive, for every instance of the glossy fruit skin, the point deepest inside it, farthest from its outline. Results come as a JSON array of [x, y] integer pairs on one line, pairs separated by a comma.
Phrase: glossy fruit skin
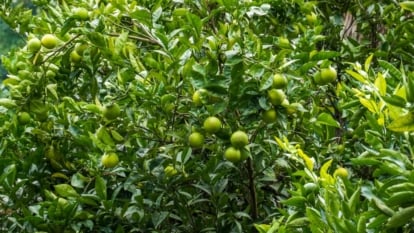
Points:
[[81, 13], [341, 172], [232, 154], [239, 139], [49, 41], [279, 81], [170, 171], [269, 116], [111, 111], [34, 45], [24, 118], [197, 97], [328, 75], [276, 96], [75, 57], [110, 160], [196, 140], [212, 124]]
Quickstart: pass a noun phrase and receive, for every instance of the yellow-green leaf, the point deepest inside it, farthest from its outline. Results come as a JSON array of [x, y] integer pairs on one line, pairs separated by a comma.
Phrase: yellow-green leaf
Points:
[[281, 144], [381, 84], [403, 123], [407, 5], [356, 76], [369, 104], [306, 158], [326, 178], [368, 62]]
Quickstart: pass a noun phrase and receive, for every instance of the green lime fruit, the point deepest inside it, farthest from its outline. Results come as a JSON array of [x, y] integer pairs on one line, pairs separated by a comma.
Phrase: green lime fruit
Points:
[[276, 96], [170, 171], [244, 153], [341, 172], [196, 140], [110, 160], [239, 139], [328, 75], [269, 116], [279, 81], [49, 41], [111, 111], [24, 118], [34, 45], [75, 57], [232, 154], [212, 124], [197, 97], [81, 13], [284, 43]]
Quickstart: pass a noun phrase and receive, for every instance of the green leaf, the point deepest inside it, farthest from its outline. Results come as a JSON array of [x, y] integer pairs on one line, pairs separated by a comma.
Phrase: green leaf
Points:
[[407, 5], [65, 190], [327, 119], [395, 73], [403, 124], [100, 187], [367, 63]]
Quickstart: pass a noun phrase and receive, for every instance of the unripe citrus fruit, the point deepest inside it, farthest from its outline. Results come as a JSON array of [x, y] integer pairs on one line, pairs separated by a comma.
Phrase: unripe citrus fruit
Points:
[[310, 187], [75, 57], [341, 172], [170, 170], [279, 81], [81, 13], [197, 97], [328, 75], [24, 118], [110, 160], [196, 140], [232, 154], [212, 124], [111, 111], [49, 41], [80, 48], [276, 96], [244, 153], [239, 139], [269, 116], [311, 18], [284, 43], [33, 45]]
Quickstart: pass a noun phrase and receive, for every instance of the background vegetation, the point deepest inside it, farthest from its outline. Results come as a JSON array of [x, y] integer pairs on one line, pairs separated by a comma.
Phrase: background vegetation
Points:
[[103, 117]]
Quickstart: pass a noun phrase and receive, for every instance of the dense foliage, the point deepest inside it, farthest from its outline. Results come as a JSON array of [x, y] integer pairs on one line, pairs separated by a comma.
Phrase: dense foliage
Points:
[[208, 116]]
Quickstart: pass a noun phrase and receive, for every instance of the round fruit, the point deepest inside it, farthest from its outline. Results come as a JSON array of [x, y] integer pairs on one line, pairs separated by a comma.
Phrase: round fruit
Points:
[[232, 154], [279, 81], [318, 78], [328, 75], [196, 140], [341, 172], [269, 116], [244, 153], [111, 111], [49, 41], [110, 160], [311, 18], [310, 187], [24, 118], [75, 57], [81, 13], [80, 48], [212, 124], [170, 170], [197, 97], [239, 139], [276, 96], [284, 43], [33, 45]]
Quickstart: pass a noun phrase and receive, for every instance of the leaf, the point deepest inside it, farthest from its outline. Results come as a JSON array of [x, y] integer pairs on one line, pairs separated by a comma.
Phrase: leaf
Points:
[[100, 187], [52, 89], [357, 76], [326, 178], [403, 123], [369, 104], [65, 190], [327, 119], [407, 5], [381, 84], [7, 103], [325, 55], [306, 158], [159, 217], [395, 73], [367, 63]]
